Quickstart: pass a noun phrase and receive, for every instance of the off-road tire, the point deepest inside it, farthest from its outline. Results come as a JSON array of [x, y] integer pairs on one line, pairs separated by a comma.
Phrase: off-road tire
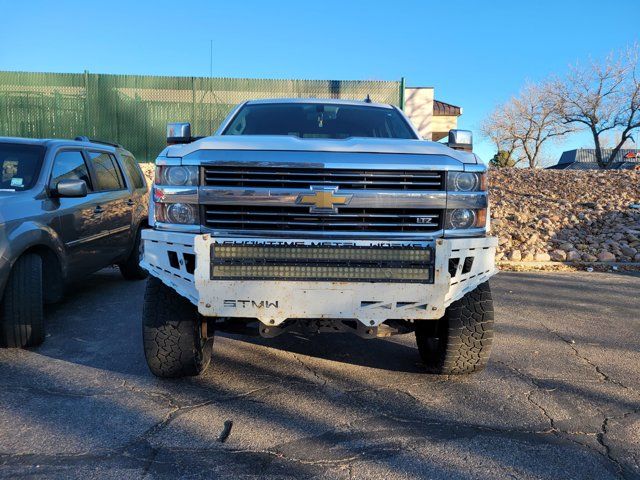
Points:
[[130, 268], [174, 344], [21, 315], [460, 342]]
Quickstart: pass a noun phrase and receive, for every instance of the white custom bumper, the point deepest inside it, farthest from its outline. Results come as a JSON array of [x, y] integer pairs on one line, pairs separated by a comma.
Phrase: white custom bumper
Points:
[[170, 257]]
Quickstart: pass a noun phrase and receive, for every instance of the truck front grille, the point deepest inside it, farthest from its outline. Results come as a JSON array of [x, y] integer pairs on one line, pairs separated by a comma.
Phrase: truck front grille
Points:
[[299, 219], [295, 177]]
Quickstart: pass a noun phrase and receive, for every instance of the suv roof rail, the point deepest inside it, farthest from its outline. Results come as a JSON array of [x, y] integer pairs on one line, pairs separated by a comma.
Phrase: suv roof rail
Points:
[[84, 138]]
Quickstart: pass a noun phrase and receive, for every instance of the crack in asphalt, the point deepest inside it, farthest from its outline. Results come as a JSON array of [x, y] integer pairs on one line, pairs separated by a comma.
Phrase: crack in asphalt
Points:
[[603, 376], [322, 380], [528, 395], [599, 436]]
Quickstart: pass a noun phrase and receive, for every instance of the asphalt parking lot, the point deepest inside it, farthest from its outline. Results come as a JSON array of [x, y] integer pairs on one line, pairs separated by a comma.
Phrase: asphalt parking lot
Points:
[[560, 399]]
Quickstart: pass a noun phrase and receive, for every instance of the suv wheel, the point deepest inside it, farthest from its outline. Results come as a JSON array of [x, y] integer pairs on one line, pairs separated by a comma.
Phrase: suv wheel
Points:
[[21, 315], [460, 342], [175, 337], [130, 268]]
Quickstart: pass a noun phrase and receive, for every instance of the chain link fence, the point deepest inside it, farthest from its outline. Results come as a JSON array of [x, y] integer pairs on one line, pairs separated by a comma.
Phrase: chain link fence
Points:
[[133, 110]]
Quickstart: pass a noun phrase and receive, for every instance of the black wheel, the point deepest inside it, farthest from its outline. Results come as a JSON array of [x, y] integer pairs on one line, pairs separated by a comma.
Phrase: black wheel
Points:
[[460, 342], [21, 316], [130, 268], [175, 337]]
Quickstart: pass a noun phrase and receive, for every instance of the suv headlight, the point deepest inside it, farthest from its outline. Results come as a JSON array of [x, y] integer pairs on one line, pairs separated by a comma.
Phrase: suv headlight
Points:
[[466, 181], [182, 175]]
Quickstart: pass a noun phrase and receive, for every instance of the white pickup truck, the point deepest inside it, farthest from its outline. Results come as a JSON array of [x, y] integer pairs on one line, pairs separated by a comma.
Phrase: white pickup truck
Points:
[[318, 216]]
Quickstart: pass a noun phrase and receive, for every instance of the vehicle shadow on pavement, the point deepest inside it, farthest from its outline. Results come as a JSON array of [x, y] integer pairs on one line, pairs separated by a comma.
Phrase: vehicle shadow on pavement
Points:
[[387, 354]]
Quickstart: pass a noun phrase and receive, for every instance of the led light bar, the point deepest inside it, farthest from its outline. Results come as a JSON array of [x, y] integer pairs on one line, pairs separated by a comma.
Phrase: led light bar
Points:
[[320, 272], [321, 254], [325, 263]]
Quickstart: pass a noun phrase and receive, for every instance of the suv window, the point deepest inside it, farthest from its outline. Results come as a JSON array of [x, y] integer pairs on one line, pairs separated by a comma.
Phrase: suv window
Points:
[[70, 165], [108, 174], [133, 171]]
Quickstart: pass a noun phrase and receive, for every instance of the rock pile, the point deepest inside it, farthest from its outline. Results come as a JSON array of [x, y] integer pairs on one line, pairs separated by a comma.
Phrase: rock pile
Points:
[[566, 216], [574, 216]]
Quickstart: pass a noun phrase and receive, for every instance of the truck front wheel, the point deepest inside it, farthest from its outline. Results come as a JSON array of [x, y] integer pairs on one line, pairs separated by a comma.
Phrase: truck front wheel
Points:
[[175, 337], [460, 342]]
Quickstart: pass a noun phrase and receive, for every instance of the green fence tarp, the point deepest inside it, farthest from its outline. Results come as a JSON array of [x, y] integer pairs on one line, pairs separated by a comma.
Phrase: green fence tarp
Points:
[[133, 110]]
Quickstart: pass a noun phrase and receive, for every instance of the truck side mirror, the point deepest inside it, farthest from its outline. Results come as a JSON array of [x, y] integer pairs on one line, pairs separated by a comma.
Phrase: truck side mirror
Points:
[[460, 140], [178, 133], [71, 188]]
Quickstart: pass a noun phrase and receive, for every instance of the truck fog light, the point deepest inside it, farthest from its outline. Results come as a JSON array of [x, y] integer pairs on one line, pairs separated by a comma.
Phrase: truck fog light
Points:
[[462, 218], [181, 213]]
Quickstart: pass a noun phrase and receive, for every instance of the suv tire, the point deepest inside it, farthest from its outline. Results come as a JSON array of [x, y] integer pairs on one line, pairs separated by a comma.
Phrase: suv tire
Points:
[[460, 342], [21, 315], [130, 268], [175, 343]]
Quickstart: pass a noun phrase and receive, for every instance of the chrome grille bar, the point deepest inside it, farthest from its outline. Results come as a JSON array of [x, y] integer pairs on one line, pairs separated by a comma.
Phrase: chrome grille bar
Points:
[[256, 218], [298, 177]]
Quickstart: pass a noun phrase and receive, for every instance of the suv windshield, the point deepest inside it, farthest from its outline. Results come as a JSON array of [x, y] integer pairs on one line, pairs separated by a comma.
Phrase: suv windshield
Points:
[[319, 120], [20, 165]]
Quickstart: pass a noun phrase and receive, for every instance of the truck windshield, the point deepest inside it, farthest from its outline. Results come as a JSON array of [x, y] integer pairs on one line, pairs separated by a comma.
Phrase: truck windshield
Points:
[[319, 120], [20, 165]]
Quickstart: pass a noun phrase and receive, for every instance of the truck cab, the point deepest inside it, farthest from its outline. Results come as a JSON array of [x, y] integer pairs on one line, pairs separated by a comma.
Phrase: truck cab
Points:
[[318, 216]]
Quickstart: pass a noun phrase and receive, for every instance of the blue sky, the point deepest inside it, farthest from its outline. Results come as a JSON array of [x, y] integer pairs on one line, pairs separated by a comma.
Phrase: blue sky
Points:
[[475, 54]]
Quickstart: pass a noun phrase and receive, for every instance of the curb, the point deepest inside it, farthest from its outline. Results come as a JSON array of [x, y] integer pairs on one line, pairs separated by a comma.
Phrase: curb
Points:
[[570, 264]]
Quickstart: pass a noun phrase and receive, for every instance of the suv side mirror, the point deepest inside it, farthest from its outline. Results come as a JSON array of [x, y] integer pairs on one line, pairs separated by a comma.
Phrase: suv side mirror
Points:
[[178, 133], [71, 188], [460, 140]]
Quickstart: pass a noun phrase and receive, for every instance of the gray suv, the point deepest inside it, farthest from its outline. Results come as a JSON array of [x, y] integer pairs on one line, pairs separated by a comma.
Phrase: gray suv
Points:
[[67, 208]]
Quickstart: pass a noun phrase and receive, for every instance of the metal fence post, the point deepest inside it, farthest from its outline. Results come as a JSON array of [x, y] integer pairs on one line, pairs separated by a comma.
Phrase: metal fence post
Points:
[[86, 103], [402, 94]]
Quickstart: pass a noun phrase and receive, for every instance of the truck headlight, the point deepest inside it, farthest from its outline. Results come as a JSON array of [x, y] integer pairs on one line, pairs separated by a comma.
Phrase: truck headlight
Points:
[[178, 213], [466, 181], [183, 175], [462, 218]]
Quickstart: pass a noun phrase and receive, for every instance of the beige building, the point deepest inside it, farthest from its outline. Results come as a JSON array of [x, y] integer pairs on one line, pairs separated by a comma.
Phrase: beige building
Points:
[[431, 117]]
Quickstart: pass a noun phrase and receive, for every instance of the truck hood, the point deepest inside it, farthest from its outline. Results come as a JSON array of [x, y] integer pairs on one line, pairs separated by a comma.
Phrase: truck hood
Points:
[[349, 145]]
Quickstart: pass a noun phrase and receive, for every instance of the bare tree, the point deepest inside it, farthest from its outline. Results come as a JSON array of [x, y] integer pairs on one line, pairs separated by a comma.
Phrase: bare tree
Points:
[[603, 97], [498, 128], [525, 124]]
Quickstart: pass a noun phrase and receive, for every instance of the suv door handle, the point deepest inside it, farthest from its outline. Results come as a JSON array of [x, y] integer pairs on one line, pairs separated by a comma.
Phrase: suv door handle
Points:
[[130, 203], [98, 210]]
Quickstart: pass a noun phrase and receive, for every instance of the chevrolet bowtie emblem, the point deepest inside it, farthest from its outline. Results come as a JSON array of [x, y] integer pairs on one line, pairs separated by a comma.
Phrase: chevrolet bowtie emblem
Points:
[[323, 199]]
